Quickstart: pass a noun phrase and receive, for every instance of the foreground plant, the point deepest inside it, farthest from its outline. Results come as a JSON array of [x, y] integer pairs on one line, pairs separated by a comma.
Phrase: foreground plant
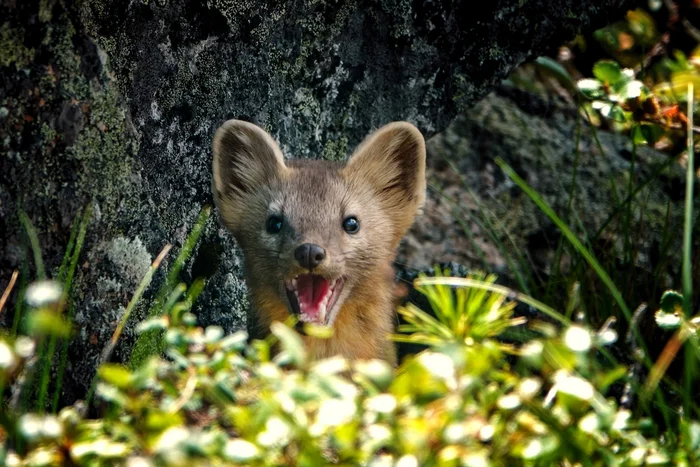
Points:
[[214, 400]]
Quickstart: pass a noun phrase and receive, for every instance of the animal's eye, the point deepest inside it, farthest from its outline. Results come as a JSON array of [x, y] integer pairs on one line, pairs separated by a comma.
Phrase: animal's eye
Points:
[[274, 224], [351, 225]]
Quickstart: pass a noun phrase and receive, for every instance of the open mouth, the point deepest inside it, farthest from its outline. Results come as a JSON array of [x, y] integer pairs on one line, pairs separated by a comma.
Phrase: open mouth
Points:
[[313, 297]]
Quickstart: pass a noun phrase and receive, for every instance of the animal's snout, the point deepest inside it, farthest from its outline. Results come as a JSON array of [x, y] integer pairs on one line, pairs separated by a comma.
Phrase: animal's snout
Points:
[[309, 255]]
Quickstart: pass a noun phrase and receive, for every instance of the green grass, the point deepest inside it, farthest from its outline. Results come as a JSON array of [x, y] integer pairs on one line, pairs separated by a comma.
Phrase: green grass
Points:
[[690, 355], [151, 342], [34, 242], [66, 274], [145, 282], [599, 285]]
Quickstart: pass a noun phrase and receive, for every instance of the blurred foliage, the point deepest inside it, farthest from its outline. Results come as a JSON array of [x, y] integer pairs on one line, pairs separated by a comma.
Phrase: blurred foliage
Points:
[[633, 75], [212, 400]]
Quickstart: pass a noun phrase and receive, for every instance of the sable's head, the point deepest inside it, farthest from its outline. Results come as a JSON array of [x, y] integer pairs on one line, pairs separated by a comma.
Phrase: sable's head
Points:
[[311, 231]]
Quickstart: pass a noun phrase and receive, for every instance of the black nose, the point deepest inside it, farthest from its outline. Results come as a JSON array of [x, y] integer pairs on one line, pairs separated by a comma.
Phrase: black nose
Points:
[[309, 255]]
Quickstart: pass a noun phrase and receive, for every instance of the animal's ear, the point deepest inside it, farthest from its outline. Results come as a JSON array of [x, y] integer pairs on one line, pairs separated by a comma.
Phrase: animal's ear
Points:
[[392, 160], [246, 158]]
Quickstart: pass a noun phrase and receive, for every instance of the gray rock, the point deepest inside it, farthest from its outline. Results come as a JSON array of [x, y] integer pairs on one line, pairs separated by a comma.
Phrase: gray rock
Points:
[[114, 103], [476, 217]]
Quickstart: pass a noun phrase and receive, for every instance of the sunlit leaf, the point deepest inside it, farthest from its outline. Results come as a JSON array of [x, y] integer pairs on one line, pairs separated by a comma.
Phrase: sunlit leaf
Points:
[[115, 374], [608, 72], [668, 320], [47, 322], [591, 88], [630, 89], [679, 84], [290, 341], [240, 450], [43, 294]]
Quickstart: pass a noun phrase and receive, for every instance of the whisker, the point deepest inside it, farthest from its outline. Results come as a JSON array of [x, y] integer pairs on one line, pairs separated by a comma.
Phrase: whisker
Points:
[[407, 266]]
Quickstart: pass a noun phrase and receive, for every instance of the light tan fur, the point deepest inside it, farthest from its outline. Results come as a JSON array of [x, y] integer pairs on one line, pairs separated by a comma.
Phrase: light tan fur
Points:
[[382, 184]]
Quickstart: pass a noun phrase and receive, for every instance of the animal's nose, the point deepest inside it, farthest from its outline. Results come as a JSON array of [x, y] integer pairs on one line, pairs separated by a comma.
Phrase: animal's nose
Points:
[[309, 255]]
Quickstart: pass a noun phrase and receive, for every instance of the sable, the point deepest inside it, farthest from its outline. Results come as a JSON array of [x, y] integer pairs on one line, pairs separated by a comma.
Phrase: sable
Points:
[[318, 237]]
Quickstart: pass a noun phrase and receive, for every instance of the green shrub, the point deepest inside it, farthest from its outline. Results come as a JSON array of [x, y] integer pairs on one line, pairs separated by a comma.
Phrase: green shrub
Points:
[[468, 400]]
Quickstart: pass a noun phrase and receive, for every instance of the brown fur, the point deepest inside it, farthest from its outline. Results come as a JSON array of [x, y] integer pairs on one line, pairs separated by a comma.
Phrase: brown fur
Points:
[[382, 184]]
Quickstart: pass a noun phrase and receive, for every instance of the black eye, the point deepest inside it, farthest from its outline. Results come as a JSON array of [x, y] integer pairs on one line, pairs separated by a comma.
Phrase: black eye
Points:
[[351, 225], [274, 224]]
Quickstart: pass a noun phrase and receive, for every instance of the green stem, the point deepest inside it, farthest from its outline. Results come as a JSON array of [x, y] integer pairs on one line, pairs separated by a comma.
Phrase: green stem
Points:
[[690, 359]]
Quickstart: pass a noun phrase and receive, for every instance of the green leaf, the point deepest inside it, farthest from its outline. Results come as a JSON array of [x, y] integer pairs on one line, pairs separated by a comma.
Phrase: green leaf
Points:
[[682, 60], [46, 322], [591, 88], [376, 371], [158, 421], [553, 68], [115, 374], [158, 323], [318, 331], [630, 89], [617, 114], [693, 430], [670, 316], [608, 71], [610, 377], [668, 320], [672, 302], [240, 450], [679, 84], [642, 24], [291, 342], [235, 341], [652, 133], [647, 133]]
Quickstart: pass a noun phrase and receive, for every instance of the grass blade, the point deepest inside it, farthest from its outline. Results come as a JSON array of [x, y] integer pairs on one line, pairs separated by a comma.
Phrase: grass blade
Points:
[[34, 242], [45, 358], [67, 275], [8, 290], [490, 229], [690, 363], [68, 254], [148, 343], [145, 282], [569, 207], [583, 251], [505, 291], [23, 279]]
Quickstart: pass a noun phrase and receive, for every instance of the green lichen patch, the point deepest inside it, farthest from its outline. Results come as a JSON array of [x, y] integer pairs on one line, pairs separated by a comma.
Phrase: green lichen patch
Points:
[[13, 52]]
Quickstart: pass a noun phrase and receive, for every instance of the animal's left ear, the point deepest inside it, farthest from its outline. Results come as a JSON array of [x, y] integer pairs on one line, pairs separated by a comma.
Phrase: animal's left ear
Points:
[[392, 160]]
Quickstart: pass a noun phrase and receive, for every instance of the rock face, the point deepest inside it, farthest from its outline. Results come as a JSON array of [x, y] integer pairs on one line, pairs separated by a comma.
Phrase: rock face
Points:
[[476, 217], [114, 103]]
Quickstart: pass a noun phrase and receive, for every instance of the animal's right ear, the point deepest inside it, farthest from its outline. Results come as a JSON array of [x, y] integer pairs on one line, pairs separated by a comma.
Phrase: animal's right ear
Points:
[[246, 158]]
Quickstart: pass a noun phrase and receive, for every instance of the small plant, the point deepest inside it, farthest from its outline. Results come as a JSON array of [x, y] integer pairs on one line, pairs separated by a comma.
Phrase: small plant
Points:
[[462, 315], [211, 399]]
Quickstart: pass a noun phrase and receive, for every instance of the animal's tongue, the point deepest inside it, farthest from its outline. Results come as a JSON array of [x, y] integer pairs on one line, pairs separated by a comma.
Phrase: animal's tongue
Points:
[[311, 290]]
